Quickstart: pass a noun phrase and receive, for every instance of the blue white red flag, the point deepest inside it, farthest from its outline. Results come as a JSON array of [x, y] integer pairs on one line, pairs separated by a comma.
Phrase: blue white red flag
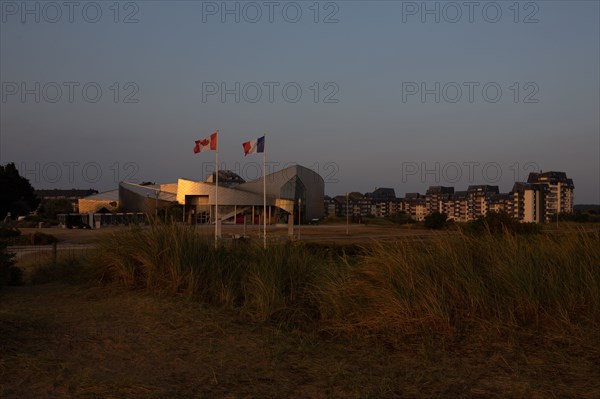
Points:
[[254, 146]]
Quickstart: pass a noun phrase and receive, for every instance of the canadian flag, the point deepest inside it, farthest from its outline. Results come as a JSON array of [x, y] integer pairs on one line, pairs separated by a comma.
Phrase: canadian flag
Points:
[[207, 144]]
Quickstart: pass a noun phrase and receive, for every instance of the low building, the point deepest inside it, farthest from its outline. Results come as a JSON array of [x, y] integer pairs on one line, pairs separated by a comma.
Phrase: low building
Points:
[[295, 191], [73, 195], [107, 201]]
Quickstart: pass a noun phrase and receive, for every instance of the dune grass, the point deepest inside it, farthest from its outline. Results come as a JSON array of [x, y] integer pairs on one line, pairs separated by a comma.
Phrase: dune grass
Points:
[[452, 281], [278, 283], [443, 284]]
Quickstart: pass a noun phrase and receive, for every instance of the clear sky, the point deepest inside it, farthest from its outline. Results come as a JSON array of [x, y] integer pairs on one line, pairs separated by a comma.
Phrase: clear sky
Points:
[[393, 94]]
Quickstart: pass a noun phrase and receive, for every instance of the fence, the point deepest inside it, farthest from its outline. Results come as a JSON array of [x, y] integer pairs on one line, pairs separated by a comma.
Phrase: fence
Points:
[[51, 253]]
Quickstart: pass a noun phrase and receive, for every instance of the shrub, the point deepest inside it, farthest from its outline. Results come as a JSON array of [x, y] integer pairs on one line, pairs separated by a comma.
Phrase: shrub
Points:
[[7, 231], [49, 208], [499, 223], [579, 216], [7, 261], [435, 220]]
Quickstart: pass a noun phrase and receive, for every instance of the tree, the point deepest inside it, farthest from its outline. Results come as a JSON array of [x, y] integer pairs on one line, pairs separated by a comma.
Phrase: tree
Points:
[[435, 220], [500, 222], [49, 208], [16, 193]]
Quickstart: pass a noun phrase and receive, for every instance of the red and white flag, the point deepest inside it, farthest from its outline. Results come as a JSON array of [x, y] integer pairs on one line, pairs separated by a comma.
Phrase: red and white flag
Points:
[[207, 144]]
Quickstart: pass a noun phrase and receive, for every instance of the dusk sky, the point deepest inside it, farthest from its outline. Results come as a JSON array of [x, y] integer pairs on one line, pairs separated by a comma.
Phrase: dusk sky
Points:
[[389, 97]]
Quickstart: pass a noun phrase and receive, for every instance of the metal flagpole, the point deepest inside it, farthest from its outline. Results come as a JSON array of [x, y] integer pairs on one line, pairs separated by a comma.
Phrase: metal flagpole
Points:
[[299, 216], [264, 192], [346, 213], [217, 193]]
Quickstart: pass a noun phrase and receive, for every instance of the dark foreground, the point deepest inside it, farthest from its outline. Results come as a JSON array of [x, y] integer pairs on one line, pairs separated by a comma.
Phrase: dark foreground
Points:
[[102, 342]]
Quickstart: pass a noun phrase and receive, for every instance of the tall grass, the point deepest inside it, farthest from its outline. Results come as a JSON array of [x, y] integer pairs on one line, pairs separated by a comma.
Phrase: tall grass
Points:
[[449, 280], [438, 284], [279, 282]]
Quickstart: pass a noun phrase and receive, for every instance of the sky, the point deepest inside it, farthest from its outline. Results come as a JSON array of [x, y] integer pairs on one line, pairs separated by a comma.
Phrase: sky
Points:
[[367, 93]]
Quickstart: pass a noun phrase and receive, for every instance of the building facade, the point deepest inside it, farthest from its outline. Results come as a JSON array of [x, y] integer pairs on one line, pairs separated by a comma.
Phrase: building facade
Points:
[[559, 197], [538, 200], [296, 192]]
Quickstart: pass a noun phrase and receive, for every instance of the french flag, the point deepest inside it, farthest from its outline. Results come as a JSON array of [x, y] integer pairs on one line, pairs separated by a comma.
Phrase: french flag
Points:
[[254, 146], [207, 144]]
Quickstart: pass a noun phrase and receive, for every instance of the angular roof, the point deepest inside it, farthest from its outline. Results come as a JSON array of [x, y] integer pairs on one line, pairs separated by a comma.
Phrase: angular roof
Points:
[[551, 177], [59, 193], [483, 187], [519, 187], [227, 178], [382, 193], [112, 195], [152, 191], [440, 190]]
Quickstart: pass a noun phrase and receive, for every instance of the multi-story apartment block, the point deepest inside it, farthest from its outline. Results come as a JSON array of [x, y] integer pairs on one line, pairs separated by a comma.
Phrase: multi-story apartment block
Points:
[[347, 205], [500, 203], [366, 207], [477, 197], [383, 200], [455, 206], [447, 204], [461, 206], [415, 205], [539, 200], [529, 202], [435, 196], [559, 195]]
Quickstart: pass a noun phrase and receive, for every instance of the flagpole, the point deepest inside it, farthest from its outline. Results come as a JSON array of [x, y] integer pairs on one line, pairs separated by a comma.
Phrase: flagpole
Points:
[[217, 193], [264, 192]]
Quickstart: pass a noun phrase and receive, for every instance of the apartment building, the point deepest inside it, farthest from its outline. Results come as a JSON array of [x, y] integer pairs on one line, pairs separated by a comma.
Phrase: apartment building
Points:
[[559, 196], [435, 197], [500, 203], [478, 198], [536, 201], [528, 202], [456, 206], [383, 201]]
